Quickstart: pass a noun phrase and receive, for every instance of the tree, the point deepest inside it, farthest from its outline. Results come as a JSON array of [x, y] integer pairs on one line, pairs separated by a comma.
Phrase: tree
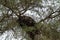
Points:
[[17, 8]]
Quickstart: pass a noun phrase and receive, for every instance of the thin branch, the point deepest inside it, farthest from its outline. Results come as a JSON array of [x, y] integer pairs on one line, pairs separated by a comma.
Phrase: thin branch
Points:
[[55, 16], [12, 9], [50, 16], [2, 19]]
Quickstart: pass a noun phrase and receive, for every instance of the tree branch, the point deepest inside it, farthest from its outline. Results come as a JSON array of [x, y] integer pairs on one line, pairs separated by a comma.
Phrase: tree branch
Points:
[[50, 16]]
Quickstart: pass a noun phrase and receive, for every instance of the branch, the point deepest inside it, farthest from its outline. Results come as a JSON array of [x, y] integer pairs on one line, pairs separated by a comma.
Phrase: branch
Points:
[[8, 6], [2, 19], [50, 16], [55, 16]]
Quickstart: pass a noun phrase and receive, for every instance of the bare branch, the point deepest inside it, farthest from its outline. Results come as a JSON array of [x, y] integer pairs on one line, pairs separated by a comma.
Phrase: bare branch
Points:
[[49, 16], [2, 19]]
